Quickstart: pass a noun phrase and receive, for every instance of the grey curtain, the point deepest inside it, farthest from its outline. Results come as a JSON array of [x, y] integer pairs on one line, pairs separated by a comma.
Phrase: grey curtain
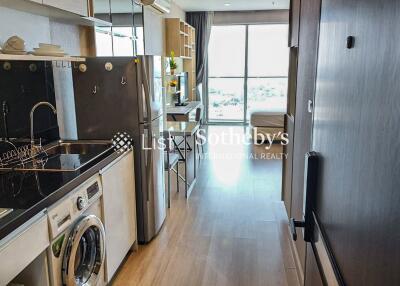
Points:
[[202, 22]]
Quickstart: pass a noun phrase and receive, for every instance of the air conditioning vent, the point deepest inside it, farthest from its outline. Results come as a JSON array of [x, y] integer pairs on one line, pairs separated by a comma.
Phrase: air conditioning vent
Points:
[[163, 6]]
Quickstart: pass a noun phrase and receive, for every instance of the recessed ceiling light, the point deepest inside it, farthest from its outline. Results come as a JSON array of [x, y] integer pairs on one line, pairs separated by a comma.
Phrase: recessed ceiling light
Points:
[[227, 4]]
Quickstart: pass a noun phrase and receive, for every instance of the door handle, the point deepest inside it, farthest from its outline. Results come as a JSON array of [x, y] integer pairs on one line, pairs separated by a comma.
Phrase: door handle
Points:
[[310, 186], [295, 224]]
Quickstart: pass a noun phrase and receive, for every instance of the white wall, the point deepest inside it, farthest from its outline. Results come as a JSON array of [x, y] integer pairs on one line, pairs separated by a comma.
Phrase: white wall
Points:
[[67, 36], [33, 29], [176, 12], [155, 28]]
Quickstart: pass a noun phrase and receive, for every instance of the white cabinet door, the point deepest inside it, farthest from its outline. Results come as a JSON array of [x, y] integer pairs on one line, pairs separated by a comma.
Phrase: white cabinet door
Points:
[[21, 247], [79, 7], [119, 205]]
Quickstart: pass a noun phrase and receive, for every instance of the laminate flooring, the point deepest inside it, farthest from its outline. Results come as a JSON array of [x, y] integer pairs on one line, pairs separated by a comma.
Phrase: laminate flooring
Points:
[[231, 232]]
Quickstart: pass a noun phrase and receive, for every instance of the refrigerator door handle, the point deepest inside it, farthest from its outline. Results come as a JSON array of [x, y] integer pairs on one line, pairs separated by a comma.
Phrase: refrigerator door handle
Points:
[[146, 89], [149, 161]]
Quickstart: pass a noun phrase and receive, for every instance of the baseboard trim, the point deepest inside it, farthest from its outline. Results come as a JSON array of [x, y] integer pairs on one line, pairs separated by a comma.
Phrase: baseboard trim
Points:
[[299, 268]]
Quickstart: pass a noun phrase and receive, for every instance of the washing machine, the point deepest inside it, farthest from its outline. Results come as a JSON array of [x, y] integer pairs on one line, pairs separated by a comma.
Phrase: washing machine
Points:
[[77, 249]]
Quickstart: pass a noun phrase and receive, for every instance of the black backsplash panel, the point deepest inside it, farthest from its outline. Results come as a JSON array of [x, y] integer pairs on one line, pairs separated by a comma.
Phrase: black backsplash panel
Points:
[[22, 85]]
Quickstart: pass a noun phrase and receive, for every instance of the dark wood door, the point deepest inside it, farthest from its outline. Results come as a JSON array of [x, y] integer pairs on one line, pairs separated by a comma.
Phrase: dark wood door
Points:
[[356, 134], [306, 77]]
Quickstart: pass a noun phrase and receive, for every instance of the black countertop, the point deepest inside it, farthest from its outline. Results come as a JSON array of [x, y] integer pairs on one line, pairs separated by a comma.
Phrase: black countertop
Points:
[[29, 193]]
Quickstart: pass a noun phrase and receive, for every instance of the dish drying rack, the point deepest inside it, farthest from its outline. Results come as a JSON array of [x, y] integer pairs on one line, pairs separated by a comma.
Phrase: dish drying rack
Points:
[[19, 157]]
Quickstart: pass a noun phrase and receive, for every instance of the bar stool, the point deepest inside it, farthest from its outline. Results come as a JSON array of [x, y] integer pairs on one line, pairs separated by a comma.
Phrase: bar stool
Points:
[[199, 119], [171, 163]]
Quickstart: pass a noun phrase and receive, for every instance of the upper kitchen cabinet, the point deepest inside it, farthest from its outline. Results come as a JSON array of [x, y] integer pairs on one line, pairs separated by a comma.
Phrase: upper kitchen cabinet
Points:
[[77, 12], [79, 7]]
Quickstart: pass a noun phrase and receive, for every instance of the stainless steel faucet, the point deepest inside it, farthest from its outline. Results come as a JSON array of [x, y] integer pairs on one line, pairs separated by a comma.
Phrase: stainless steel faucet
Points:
[[33, 111]]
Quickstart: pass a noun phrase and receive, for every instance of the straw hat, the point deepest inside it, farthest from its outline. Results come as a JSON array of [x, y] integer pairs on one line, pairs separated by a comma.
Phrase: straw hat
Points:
[[14, 43]]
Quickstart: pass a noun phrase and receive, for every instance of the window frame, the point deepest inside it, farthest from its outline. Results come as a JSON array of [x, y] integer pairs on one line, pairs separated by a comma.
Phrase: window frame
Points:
[[245, 78]]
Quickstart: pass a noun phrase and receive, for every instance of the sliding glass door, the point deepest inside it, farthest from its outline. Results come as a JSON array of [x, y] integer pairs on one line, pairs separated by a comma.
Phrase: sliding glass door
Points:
[[226, 73], [248, 66]]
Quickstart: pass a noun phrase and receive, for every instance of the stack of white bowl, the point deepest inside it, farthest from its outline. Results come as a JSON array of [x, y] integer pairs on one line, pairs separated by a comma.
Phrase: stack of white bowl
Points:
[[48, 50]]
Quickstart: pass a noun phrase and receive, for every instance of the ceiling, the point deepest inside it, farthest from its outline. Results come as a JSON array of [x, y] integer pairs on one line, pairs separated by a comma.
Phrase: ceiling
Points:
[[235, 5]]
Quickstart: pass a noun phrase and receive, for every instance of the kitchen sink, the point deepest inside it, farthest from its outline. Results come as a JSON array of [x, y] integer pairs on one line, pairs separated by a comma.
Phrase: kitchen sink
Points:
[[81, 148], [63, 156]]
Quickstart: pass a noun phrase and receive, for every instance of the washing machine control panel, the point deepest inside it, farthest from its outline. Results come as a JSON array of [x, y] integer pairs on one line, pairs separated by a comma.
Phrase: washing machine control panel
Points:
[[62, 214], [93, 190], [81, 203]]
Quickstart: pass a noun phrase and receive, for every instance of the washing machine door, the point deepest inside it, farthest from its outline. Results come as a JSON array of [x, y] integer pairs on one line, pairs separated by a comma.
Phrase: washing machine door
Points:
[[84, 253]]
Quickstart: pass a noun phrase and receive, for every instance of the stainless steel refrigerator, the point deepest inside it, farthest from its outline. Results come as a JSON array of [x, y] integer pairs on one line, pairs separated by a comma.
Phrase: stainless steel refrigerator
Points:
[[126, 95]]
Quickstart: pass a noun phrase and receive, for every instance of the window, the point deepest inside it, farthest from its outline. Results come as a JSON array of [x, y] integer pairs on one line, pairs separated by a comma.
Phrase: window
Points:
[[226, 73], [123, 41], [104, 46], [248, 67], [115, 41]]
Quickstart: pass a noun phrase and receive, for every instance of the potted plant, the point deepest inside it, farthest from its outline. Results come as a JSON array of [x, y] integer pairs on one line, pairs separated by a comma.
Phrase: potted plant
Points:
[[172, 63], [173, 83]]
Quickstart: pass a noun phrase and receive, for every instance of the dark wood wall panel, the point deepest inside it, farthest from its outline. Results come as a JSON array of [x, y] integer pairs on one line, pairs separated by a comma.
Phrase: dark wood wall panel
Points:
[[356, 131]]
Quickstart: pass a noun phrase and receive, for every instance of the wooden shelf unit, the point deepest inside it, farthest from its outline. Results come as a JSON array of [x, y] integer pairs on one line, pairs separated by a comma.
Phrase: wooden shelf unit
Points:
[[181, 38]]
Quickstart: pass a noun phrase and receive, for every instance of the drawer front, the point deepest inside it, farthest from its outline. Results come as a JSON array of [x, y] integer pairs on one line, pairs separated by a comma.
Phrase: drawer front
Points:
[[21, 247]]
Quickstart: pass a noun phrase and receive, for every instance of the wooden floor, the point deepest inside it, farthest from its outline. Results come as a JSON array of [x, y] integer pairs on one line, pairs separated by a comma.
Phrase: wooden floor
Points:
[[232, 231]]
